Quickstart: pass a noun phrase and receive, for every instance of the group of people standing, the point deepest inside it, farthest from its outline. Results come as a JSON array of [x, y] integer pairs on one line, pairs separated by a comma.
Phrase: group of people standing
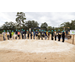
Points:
[[38, 34]]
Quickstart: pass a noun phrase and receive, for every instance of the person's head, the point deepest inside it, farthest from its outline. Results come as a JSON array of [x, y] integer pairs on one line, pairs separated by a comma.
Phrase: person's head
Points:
[[4, 30], [55, 30], [49, 31], [63, 30], [52, 30], [58, 29]]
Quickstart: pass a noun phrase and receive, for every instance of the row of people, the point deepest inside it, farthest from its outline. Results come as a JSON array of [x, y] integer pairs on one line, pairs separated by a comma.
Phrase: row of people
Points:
[[29, 34]]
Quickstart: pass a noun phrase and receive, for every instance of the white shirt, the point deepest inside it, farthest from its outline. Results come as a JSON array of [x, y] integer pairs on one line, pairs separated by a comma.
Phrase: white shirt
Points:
[[7, 33]]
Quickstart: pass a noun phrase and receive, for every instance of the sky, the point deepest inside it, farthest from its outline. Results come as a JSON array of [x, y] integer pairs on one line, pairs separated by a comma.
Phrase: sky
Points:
[[53, 19]]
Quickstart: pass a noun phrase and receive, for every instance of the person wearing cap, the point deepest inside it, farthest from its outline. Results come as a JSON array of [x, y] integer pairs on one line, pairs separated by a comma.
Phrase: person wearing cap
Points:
[[4, 35], [27, 34], [22, 33], [39, 35], [8, 35], [16, 33], [19, 34], [12, 33], [30, 34], [59, 35], [45, 35], [42, 34], [48, 34], [63, 36], [33, 34], [52, 35], [55, 34], [36, 33]]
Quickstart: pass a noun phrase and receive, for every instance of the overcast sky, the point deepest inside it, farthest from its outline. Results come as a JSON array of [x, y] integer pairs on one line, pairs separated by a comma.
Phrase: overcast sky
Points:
[[51, 18]]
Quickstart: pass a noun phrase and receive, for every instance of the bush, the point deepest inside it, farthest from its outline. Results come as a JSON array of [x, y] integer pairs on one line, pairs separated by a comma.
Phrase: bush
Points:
[[0, 32]]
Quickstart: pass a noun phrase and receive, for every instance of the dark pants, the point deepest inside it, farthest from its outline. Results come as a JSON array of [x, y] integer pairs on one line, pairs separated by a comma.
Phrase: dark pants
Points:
[[28, 36], [16, 37], [22, 36], [52, 37], [4, 38], [8, 37], [55, 37], [63, 39], [59, 37], [42, 37], [19, 36]]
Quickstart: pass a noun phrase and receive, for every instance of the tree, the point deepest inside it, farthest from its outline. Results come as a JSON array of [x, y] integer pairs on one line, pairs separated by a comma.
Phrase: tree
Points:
[[31, 24], [20, 18], [49, 28], [44, 26]]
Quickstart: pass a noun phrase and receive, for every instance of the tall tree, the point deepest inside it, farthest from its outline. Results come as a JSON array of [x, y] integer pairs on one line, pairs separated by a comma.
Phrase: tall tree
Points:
[[20, 18], [44, 26]]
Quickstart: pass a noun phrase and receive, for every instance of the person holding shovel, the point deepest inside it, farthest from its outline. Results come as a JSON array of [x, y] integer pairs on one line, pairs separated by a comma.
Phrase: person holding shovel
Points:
[[27, 34], [36, 34], [45, 35], [55, 34], [16, 32], [4, 35], [48, 35], [19, 34], [33, 34], [59, 35], [12, 33], [8, 35], [52, 35], [22, 33], [63, 36]]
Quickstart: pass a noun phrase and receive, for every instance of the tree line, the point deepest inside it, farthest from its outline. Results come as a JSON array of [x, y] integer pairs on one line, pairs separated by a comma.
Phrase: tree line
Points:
[[22, 24]]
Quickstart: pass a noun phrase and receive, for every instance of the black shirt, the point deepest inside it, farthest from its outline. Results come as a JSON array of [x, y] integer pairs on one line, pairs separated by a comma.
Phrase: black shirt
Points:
[[63, 35], [16, 32]]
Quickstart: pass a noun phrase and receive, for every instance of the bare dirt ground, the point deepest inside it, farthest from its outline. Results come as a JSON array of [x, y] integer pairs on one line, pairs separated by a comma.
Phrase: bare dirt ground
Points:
[[18, 56]]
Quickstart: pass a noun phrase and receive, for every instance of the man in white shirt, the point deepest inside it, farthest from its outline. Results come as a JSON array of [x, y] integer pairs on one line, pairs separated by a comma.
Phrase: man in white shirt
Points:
[[8, 34]]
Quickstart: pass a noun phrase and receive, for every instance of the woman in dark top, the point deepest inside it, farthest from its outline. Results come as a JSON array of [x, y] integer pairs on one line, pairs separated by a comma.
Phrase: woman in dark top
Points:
[[10, 34], [52, 35], [59, 35], [63, 36], [16, 32]]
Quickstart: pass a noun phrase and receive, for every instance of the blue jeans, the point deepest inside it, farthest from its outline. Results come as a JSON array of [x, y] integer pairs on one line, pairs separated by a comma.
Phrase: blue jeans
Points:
[[25, 36], [33, 36]]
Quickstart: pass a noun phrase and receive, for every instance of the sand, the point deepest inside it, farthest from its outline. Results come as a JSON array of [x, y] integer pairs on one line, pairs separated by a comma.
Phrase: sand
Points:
[[37, 51]]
